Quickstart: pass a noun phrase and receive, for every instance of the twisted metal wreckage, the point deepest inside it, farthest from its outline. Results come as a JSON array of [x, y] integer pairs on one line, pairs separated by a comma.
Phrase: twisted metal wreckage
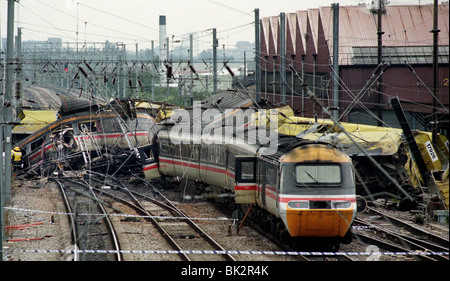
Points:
[[121, 137]]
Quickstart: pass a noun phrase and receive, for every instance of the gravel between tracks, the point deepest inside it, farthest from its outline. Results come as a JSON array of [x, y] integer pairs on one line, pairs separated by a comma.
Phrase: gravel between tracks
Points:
[[49, 234], [52, 233], [44, 196]]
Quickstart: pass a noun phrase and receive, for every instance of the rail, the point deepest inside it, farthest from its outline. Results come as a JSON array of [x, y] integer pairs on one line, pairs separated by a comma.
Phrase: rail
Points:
[[104, 216], [174, 235], [71, 215]]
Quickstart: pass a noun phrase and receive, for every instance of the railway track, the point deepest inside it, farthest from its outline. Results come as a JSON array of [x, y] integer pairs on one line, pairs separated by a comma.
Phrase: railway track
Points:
[[288, 248], [72, 223], [395, 238], [283, 245], [43, 99], [90, 222], [374, 231], [180, 231], [396, 235]]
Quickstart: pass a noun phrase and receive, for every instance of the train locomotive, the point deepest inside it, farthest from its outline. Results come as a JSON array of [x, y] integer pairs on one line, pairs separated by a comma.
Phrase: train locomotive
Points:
[[304, 190]]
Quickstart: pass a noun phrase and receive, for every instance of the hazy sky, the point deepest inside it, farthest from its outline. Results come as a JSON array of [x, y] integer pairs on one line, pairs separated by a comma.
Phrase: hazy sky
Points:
[[136, 21]]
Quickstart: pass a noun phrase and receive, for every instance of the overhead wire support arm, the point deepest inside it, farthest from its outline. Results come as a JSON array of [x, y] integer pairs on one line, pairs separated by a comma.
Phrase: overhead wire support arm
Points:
[[336, 122], [425, 85], [250, 96], [108, 102], [212, 97], [379, 70]]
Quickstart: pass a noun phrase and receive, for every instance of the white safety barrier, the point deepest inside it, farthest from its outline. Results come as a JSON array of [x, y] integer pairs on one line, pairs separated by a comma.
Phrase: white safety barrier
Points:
[[119, 215], [222, 252], [217, 252]]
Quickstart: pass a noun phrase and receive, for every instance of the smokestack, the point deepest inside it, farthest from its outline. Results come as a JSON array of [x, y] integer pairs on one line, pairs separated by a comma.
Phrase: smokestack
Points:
[[162, 39]]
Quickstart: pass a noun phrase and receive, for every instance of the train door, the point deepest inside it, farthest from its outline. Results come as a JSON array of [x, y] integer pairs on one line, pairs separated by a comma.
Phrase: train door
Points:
[[36, 150], [245, 179], [279, 184], [262, 183], [149, 158]]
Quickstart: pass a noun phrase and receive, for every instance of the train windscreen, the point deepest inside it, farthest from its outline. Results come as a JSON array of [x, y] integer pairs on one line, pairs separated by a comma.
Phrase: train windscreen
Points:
[[318, 174]]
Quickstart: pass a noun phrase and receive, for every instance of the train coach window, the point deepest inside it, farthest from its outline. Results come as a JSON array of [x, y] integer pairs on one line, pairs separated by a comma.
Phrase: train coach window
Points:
[[271, 176], [245, 169], [37, 143], [87, 127], [318, 174], [142, 124]]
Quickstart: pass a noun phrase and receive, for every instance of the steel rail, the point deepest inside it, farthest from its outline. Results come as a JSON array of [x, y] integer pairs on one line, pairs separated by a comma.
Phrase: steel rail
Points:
[[410, 242], [389, 246], [107, 219], [148, 216], [180, 213], [416, 230], [71, 215], [168, 205], [257, 228]]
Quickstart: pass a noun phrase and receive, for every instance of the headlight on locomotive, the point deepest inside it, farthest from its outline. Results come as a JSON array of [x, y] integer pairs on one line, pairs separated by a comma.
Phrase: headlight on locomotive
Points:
[[341, 204], [320, 204], [299, 204]]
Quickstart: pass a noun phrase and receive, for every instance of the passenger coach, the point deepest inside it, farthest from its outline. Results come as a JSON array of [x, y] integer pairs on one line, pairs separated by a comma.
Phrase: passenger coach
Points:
[[305, 189]]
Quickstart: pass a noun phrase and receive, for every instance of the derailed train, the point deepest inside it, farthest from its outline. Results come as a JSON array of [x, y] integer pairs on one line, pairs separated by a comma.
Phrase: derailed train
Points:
[[89, 137], [305, 189]]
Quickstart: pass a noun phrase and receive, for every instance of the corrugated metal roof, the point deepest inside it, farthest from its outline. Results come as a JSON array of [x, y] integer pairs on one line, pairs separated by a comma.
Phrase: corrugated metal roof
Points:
[[265, 36], [403, 25], [411, 25], [313, 17], [406, 25], [291, 33], [302, 21], [274, 30], [356, 28]]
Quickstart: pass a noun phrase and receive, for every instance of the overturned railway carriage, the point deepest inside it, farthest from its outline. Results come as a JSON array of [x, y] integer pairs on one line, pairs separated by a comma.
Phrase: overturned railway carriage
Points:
[[84, 138], [303, 189]]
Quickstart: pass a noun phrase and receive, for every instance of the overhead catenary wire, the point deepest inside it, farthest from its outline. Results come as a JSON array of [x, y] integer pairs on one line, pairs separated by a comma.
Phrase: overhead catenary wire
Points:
[[90, 23], [345, 89], [371, 114], [237, 27], [342, 129], [57, 28]]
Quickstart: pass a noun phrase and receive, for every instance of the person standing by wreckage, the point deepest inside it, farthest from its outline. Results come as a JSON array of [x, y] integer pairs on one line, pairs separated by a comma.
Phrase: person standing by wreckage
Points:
[[16, 158]]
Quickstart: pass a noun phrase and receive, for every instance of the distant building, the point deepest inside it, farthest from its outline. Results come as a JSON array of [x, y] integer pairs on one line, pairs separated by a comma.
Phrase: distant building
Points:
[[406, 40]]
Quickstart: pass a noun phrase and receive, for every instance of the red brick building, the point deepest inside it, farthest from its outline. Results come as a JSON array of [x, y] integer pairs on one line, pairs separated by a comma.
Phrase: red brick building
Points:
[[407, 46]]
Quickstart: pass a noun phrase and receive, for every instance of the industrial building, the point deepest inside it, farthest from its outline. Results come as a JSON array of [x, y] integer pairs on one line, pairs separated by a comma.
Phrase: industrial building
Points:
[[406, 45]]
